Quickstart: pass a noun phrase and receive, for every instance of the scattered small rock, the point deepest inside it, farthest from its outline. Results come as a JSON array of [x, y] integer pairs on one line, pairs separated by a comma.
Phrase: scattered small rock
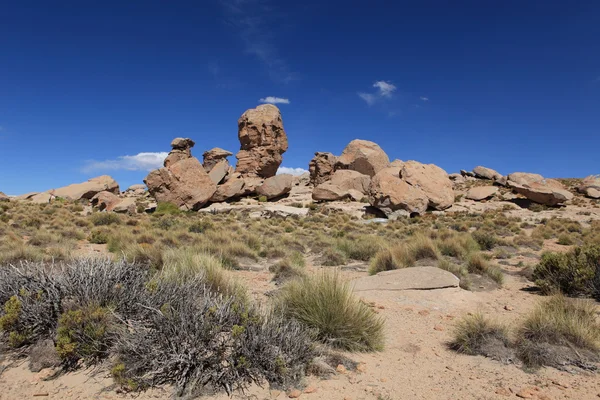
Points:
[[341, 369], [294, 394]]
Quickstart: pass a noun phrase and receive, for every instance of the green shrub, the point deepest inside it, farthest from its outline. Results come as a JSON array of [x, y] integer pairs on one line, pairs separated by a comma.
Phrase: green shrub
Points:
[[200, 226], [486, 240], [166, 208], [327, 304], [565, 239], [105, 218], [574, 273], [262, 199], [98, 236]]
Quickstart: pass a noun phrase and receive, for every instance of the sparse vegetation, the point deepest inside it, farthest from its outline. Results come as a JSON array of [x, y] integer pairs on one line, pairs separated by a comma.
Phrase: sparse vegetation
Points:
[[477, 335]]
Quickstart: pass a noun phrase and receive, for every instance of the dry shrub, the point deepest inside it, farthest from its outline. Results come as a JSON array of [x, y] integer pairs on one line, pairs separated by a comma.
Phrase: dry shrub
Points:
[[477, 335]]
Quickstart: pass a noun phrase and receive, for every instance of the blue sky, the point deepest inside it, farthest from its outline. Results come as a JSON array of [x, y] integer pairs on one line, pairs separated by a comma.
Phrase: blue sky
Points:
[[86, 86]]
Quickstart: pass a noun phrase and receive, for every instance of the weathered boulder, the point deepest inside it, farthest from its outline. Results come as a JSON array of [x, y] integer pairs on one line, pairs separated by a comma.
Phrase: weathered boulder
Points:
[[321, 167], [415, 278], [590, 186], [275, 186], [89, 189], [126, 205], [391, 194], [263, 141], [523, 178], [481, 193], [486, 173], [213, 156], [4, 197], [467, 173], [181, 150], [432, 180], [136, 188], [302, 180], [105, 201], [363, 156], [184, 183], [397, 163], [41, 198], [231, 189], [219, 171], [456, 178], [549, 192], [343, 184]]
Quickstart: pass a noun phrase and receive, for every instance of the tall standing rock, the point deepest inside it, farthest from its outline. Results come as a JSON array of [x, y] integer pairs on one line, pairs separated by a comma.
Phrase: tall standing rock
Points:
[[364, 157], [263, 141], [321, 167], [181, 150]]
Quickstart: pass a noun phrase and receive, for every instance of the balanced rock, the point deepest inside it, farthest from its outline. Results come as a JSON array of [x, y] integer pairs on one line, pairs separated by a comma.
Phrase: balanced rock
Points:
[[486, 173], [275, 186], [89, 189], [4, 197], [481, 193], [456, 178], [590, 186], [363, 156], [184, 183], [219, 171], [343, 184], [263, 141], [181, 149], [432, 180], [105, 201], [213, 156], [321, 167], [391, 194]]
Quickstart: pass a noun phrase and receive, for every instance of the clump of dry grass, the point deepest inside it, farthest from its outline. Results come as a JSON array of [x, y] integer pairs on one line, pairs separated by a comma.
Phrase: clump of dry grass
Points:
[[477, 335]]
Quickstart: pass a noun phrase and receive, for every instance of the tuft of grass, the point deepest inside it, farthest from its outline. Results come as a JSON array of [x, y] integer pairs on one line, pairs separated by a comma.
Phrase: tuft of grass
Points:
[[485, 240], [105, 218], [362, 248], [477, 335], [565, 240], [477, 264], [422, 247], [326, 304], [332, 257], [166, 208]]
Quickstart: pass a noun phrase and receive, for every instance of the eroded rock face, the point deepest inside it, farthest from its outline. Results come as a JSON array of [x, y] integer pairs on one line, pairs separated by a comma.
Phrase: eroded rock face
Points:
[[391, 194], [181, 150], [276, 186], [432, 180], [219, 171], [214, 156], [343, 184], [89, 189], [590, 186], [263, 141], [321, 167], [486, 173], [481, 193], [363, 156], [184, 183], [105, 201]]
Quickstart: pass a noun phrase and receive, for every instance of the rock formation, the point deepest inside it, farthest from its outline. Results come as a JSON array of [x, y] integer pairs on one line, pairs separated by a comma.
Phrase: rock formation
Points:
[[181, 149], [214, 156], [343, 184], [87, 190], [394, 196], [321, 167], [590, 186], [432, 180], [364, 157], [479, 193], [275, 186], [534, 187], [105, 201], [486, 173], [184, 183], [263, 141]]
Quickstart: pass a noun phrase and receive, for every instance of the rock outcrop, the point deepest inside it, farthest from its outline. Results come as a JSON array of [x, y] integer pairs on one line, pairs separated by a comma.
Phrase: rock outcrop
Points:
[[263, 141], [230, 190], [343, 184], [89, 189], [181, 150], [432, 180], [536, 188], [275, 186], [321, 167], [590, 186], [214, 156], [392, 195], [486, 173], [184, 183], [105, 201], [219, 171], [364, 157], [481, 193], [523, 178], [4, 197]]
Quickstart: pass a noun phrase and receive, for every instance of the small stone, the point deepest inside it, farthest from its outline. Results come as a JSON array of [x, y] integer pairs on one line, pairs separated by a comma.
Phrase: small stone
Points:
[[509, 308], [502, 392], [439, 328], [449, 368], [526, 393], [294, 394], [561, 384], [362, 367], [275, 393], [424, 313], [341, 369], [383, 380], [310, 389]]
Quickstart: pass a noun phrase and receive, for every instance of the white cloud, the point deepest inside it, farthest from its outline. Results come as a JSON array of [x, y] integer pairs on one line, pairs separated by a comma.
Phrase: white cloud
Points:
[[274, 100], [424, 98], [139, 162], [368, 97], [385, 88], [291, 171]]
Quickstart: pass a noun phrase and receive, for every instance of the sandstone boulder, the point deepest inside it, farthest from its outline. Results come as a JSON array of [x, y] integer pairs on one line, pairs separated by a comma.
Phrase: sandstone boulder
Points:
[[213, 156], [481, 193], [486, 173], [219, 171], [41, 198], [415, 278], [456, 178], [364, 157], [275, 186], [343, 184], [181, 150], [321, 167], [432, 180], [4, 197], [302, 180], [263, 141], [590, 186], [89, 189], [549, 192], [184, 183], [136, 188], [397, 163], [391, 194], [126, 205], [523, 178], [105, 201], [231, 189], [467, 173]]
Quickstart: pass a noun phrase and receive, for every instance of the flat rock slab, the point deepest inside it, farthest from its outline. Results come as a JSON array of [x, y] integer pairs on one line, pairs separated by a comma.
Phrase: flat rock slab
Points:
[[414, 278]]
